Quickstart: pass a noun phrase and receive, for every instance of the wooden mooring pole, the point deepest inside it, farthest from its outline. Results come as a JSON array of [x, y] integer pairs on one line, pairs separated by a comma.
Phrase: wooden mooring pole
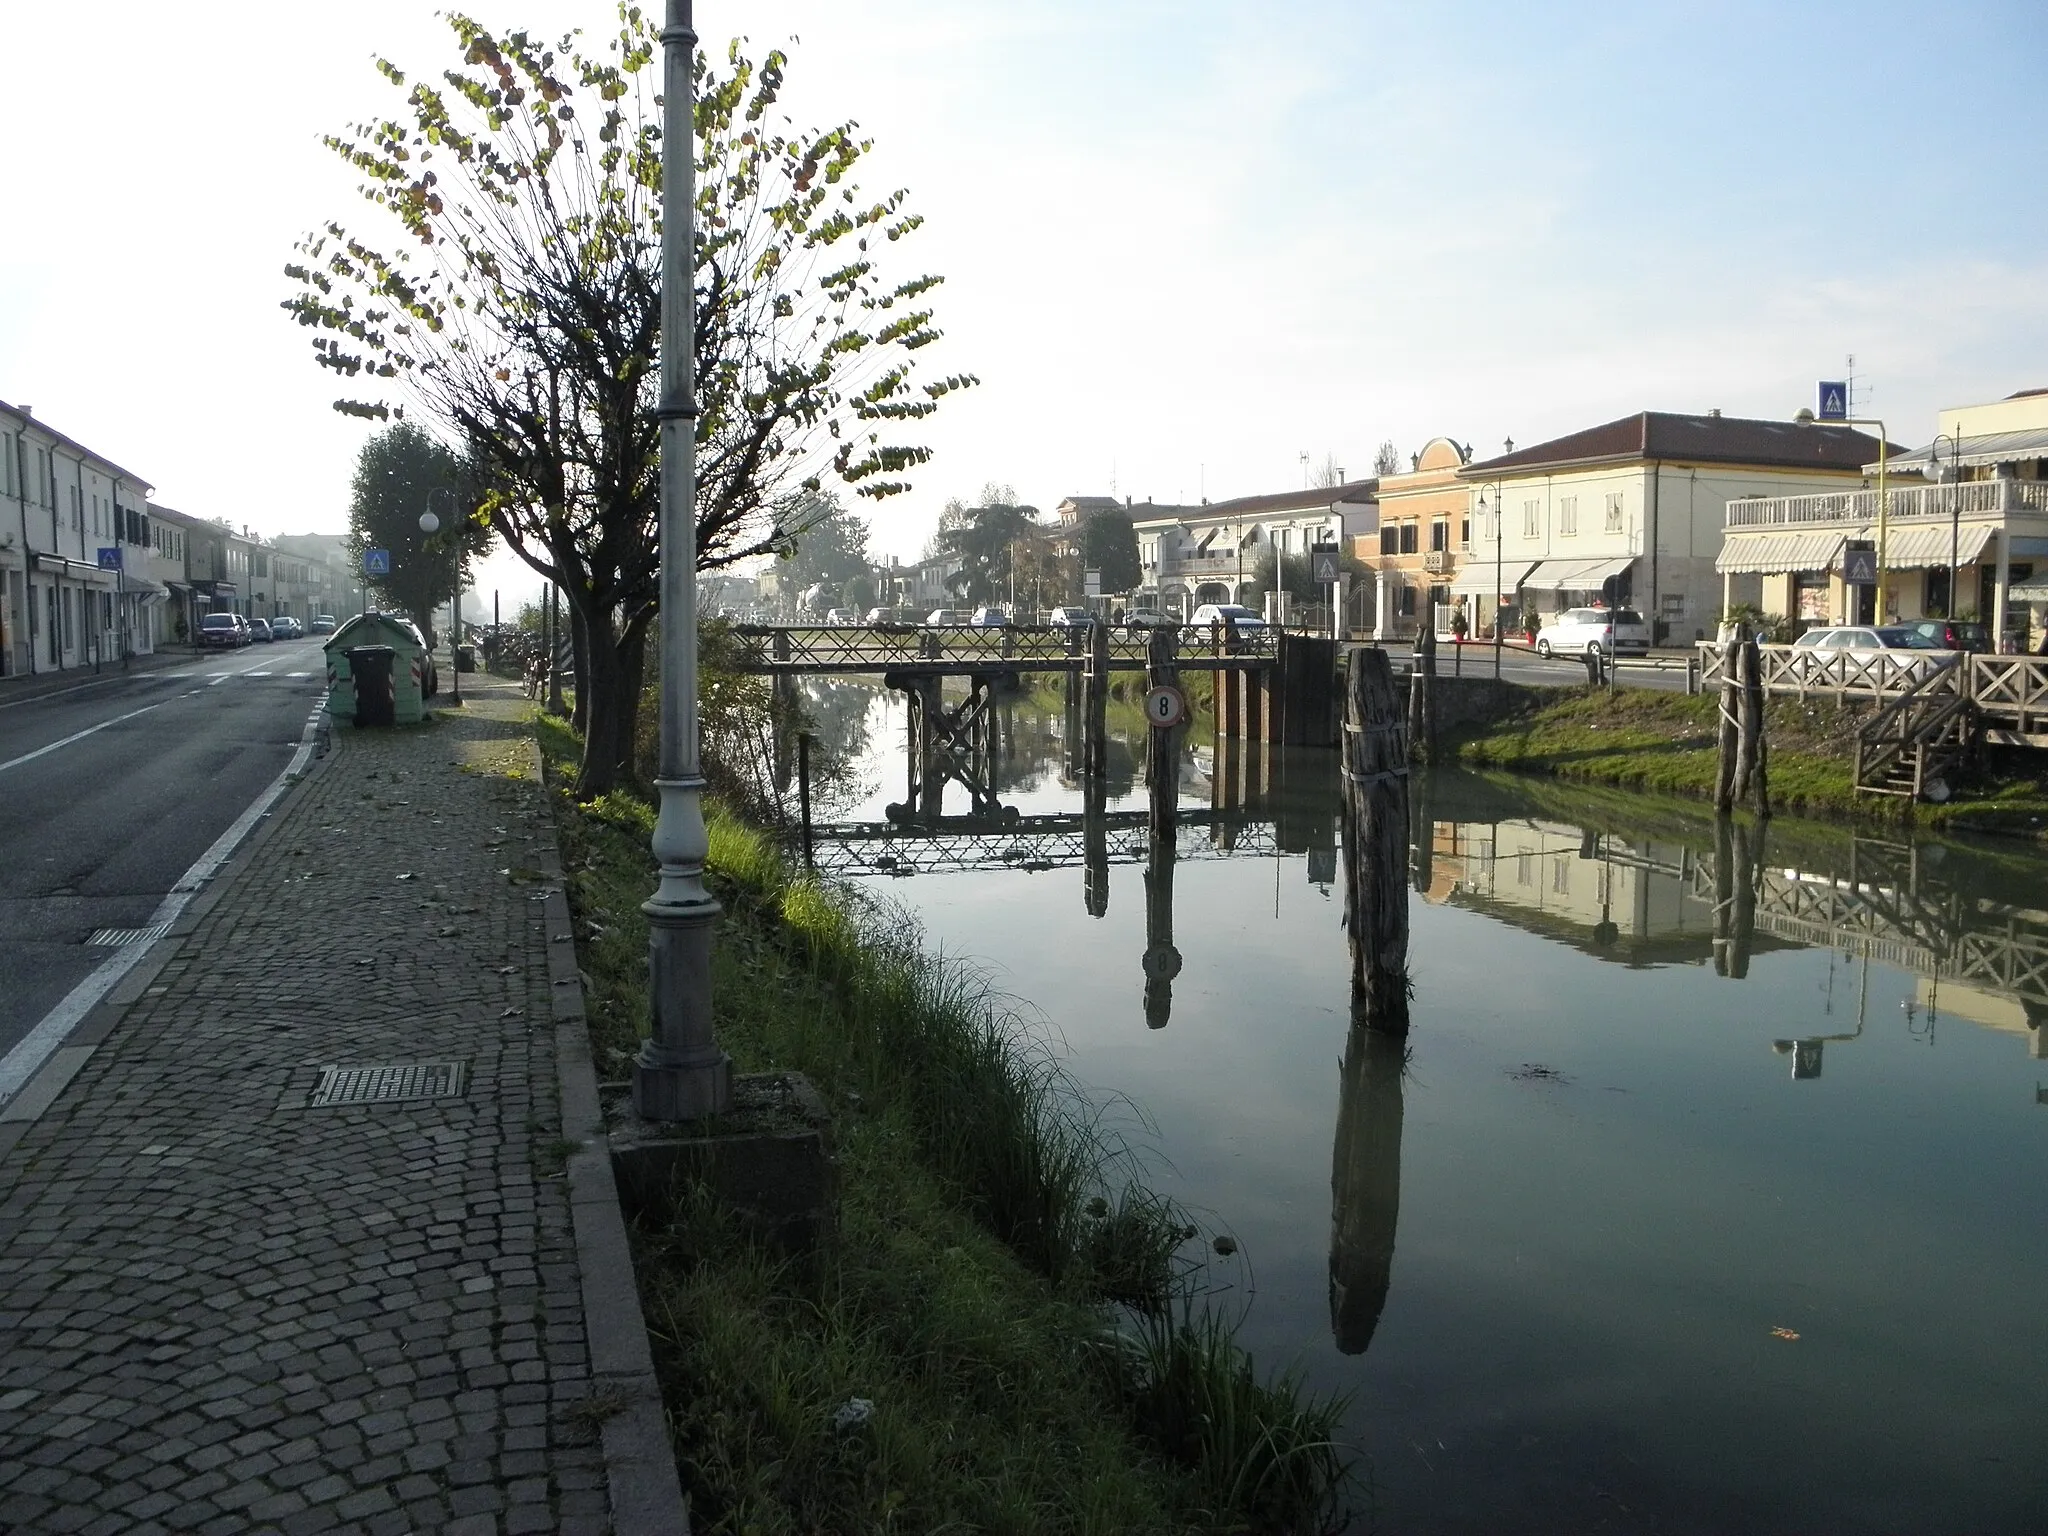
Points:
[[1742, 762], [1095, 707], [1376, 843], [1162, 961]]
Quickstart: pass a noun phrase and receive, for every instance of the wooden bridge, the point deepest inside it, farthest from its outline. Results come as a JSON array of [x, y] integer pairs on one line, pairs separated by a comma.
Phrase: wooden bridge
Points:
[[1932, 707]]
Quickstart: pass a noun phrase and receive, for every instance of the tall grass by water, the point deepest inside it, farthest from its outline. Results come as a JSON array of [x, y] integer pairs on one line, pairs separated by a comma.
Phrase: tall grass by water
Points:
[[1025, 1321]]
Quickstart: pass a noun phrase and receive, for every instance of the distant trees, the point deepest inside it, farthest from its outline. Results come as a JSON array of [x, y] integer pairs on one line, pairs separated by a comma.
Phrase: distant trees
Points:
[[1388, 460], [830, 551], [985, 538], [1109, 544], [400, 473]]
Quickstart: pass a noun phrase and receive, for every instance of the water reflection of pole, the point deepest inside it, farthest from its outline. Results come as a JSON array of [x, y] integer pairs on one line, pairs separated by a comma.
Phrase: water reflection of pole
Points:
[[1162, 771], [1094, 846], [1421, 834], [1376, 843], [1365, 1184], [1738, 861]]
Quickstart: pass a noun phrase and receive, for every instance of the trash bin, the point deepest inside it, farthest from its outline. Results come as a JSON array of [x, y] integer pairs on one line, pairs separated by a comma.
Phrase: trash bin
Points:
[[369, 666], [465, 658]]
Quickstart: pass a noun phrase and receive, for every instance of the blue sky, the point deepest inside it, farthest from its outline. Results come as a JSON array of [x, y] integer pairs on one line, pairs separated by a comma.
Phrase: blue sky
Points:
[[1184, 244]]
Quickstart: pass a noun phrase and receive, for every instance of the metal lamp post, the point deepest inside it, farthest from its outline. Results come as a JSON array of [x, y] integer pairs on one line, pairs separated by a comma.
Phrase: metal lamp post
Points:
[[430, 525], [1955, 505], [680, 1073], [1499, 613]]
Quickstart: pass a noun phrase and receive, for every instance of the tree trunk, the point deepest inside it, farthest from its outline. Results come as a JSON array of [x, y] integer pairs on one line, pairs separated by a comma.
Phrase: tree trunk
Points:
[[579, 666]]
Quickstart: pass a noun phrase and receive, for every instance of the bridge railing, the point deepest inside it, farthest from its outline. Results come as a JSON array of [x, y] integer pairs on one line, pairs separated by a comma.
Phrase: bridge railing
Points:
[[2012, 690], [1865, 674], [843, 648]]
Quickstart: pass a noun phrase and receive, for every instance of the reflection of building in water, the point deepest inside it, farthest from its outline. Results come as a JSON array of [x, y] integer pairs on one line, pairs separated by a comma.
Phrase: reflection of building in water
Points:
[[1633, 901], [1936, 998]]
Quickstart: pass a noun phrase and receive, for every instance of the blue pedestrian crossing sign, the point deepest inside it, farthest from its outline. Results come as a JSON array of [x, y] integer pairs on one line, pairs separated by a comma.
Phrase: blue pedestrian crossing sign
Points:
[[376, 562], [1859, 563], [110, 557], [1834, 400]]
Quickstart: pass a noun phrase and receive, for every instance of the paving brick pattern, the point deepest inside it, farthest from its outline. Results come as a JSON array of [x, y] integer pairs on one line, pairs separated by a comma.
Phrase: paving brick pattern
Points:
[[221, 1311]]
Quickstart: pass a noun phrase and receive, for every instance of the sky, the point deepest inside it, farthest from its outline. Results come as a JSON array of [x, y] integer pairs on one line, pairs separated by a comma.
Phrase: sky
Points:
[[1184, 245]]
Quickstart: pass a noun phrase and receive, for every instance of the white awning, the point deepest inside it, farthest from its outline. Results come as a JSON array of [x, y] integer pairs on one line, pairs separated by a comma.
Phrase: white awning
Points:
[[1775, 551], [2033, 590], [1979, 450], [1927, 544], [1575, 575], [1482, 578]]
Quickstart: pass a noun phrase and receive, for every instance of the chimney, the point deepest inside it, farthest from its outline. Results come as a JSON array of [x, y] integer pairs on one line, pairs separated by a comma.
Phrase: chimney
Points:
[[1715, 412]]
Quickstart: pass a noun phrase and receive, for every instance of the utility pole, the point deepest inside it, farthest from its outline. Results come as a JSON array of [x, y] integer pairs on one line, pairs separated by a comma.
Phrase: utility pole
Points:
[[680, 1074]]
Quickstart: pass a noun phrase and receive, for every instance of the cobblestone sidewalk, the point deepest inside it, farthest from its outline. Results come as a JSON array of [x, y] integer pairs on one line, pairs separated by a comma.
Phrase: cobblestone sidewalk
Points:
[[222, 1310]]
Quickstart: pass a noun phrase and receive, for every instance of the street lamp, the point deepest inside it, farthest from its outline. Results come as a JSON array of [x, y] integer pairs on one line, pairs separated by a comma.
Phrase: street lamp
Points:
[[1498, 577], [1955, 503], [430, 525], [680, 1073]]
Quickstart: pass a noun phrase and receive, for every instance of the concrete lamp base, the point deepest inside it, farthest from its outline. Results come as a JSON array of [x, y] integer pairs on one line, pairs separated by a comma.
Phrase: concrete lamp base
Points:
[[768, 1159]]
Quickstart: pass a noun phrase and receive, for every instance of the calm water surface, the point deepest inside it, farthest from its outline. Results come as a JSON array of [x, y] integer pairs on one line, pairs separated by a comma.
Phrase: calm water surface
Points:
[[1625, 1244]]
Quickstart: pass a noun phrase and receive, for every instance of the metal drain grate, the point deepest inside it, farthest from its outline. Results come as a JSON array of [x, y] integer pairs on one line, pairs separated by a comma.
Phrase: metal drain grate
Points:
[[129, 935], [392, 1083]]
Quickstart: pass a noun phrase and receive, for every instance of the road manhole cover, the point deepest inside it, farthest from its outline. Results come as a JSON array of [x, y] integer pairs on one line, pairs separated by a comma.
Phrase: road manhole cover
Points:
[[390, 1083], [129, 935]]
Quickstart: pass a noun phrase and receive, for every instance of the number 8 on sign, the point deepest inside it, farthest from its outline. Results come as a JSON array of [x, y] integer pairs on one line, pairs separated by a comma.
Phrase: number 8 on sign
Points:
[[1165, 706]]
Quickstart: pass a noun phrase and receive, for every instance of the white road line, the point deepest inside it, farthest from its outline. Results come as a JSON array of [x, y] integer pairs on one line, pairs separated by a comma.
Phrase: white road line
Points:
[[36, 1047], [98, 682], [29, 757]]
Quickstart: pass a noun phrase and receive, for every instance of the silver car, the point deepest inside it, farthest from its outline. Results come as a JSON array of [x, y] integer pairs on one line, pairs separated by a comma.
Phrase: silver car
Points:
[[1589, 631]]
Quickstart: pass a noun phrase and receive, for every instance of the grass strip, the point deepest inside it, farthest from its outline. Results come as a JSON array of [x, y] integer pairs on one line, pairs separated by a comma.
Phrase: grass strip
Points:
[[1008, 1333], [1647, 739]]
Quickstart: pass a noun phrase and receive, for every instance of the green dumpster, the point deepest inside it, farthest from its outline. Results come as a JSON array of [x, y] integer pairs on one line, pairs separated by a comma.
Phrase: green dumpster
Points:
[[408, 666]]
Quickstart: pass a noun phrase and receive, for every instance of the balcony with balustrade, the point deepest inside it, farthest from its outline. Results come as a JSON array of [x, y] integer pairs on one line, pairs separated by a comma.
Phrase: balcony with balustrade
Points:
[[1905, 504]]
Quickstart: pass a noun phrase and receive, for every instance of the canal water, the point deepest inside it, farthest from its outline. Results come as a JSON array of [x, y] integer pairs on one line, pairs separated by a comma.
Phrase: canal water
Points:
[[1658, 1224]]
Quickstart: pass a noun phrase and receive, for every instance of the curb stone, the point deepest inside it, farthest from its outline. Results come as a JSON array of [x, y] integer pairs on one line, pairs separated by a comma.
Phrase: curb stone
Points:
[[646, 1490]]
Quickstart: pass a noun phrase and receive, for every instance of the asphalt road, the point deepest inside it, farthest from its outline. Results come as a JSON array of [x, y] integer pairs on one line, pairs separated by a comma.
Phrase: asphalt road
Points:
[[1524, 666], [111, 790]]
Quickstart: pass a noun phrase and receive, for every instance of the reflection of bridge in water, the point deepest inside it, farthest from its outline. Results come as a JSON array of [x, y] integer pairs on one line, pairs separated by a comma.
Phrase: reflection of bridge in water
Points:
[[1887, 906], [1058, 841]]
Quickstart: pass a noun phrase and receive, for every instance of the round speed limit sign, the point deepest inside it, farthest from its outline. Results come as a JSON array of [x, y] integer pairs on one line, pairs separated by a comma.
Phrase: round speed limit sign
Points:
[[1165, 706]]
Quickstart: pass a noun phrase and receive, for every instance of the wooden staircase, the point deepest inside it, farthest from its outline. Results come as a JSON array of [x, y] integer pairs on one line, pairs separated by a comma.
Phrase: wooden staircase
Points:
[[1914, 744]]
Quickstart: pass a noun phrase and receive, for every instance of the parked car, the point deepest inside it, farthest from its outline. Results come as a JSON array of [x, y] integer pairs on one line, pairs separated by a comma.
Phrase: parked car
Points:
[[989, 618], [285, 627], [1071, 618], [259, 630], [1955, 634], [887, 616], [223, 631], [1149, 618], [323, 623], [1237, 613], [841, 616], [1583, 631], [942, 618], [1895, 644]]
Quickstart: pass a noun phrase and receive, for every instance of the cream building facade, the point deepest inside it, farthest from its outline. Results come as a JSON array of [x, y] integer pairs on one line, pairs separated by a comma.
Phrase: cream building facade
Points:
[[1959, 528], [1632, 512]]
